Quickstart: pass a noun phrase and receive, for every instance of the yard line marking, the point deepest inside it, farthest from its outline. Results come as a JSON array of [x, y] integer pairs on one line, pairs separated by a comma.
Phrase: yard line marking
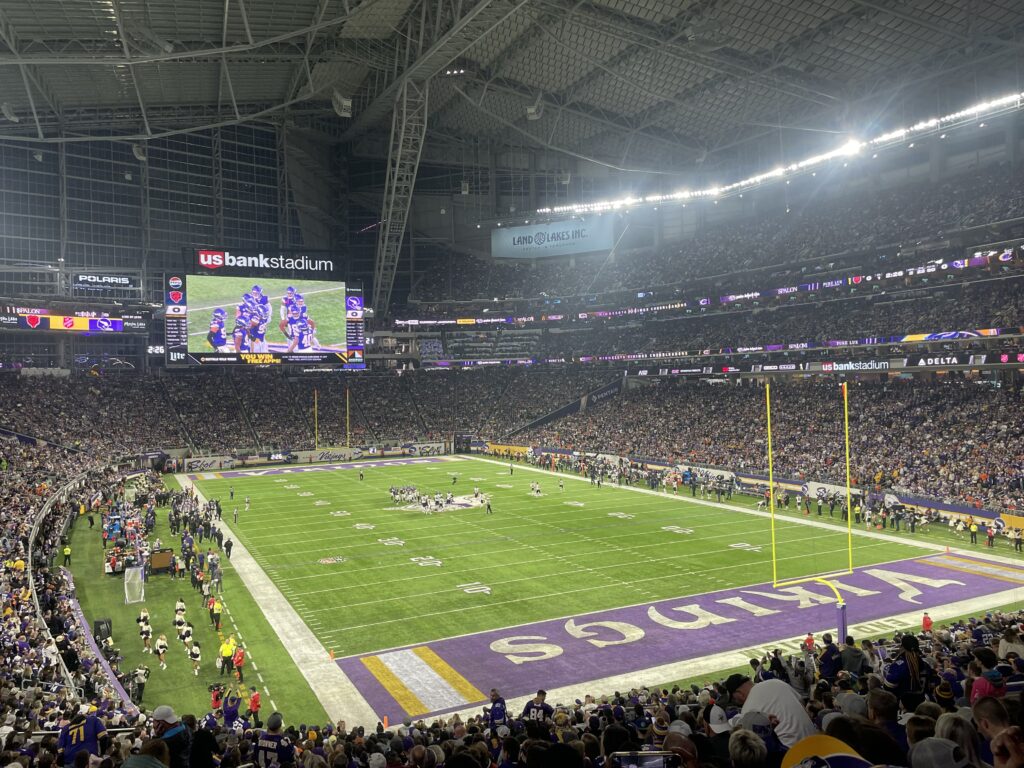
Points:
[[547, 558], [563, 593], [261, 680]]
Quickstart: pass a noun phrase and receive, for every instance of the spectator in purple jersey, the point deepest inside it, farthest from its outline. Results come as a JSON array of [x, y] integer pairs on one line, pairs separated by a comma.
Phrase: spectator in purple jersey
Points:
[[497, 713], [536, 709], [273, 747], [85, 733]]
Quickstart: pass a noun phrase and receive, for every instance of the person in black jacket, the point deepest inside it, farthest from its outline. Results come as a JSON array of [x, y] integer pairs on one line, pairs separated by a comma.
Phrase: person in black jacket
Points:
[[178, 738]]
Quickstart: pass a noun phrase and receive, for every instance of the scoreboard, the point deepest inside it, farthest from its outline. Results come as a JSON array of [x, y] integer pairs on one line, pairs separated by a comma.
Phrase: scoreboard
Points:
[[74, 318]]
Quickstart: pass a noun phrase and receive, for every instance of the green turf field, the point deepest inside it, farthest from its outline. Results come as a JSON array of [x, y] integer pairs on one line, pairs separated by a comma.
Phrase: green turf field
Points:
[[325, 301], [400, 575], [102, 596]]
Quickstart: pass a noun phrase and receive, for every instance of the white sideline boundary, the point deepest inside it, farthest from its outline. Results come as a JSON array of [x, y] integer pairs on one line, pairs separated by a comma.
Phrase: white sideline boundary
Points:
[[336, 693]]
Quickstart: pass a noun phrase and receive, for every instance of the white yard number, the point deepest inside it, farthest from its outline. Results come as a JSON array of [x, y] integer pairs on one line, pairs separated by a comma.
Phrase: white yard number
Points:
[[291, 487], [573, 503], [744, 545], [321, 503], [621, 515], [425, 561], [391, 542], [339, 513], [475, 588], [281, 480], [306, 493], [677, 529], [364, 526]]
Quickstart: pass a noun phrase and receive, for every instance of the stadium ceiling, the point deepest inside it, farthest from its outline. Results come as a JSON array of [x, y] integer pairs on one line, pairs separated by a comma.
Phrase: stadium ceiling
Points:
[[626, 82]]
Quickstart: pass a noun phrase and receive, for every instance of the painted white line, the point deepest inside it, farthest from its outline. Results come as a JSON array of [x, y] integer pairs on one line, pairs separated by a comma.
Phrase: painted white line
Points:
[[261, 680], [272, 704], [338, 696], [254, 667]]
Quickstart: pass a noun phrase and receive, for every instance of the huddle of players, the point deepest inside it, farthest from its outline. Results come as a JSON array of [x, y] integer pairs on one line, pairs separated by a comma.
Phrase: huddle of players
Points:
[[429, 504], [252, 317]]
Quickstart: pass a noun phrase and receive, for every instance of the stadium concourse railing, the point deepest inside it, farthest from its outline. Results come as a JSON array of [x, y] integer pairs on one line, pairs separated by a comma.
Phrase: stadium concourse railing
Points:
[[58, 496]]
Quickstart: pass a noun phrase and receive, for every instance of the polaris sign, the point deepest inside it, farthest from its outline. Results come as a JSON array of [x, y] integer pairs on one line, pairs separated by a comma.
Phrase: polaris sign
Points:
[[93, 282], [216, 261], [560, 238]]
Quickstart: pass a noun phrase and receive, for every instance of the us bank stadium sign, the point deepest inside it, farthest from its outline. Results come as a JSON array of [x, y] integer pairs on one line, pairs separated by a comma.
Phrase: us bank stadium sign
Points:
[[218, 261]]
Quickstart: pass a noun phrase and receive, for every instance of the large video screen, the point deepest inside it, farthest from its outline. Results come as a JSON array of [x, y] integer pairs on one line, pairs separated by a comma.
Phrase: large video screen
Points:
[[265, 321]]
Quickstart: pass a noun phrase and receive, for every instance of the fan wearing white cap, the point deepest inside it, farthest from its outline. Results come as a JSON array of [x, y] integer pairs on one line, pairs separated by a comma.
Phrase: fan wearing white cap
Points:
[[167, 727]]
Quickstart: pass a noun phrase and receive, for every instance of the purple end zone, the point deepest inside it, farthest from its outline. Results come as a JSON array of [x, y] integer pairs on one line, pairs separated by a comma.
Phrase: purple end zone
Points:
[[298, 468], [560, 652]]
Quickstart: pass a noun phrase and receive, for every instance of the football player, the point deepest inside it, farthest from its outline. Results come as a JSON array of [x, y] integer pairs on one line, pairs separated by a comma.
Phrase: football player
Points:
[[287, 302], [302, 338], [215, 338], [243, 322]]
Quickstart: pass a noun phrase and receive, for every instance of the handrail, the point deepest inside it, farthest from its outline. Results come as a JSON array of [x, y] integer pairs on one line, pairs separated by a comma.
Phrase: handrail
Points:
[[59, 495]]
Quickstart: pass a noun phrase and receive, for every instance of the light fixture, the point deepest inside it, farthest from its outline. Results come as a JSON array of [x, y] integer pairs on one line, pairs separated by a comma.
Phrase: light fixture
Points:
[[9, 113], [139, 152], [942, 136], [535, 111], [982, 125], [38, 156], [911, 145], [342, 105]]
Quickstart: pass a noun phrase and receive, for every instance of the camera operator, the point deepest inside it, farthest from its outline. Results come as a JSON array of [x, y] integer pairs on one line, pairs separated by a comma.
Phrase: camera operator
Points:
[[140, 676]]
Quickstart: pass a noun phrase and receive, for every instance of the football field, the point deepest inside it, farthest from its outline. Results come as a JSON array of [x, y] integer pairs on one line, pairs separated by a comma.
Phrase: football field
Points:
[[424, 613]]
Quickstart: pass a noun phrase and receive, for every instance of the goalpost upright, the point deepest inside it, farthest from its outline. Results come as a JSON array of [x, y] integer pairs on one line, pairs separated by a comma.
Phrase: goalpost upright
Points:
[[821, 578]]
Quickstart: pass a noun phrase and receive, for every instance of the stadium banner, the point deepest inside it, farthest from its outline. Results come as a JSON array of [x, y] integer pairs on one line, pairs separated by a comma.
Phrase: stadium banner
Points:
[[504, 449], [557, 238], [601, 394], [423, 449], [327, 455], [208, 463], [101, 282], [308, 265]]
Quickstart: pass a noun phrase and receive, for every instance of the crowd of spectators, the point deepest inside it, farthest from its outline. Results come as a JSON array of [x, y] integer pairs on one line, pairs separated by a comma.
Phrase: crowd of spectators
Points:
[[115, 415], [782, 233], [37, 647], [957, 440], [947, 696]]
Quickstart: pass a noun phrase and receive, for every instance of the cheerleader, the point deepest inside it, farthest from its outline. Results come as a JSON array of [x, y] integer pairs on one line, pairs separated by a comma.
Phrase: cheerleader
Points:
[[186, 635], [196, 657], [161, 650], [146, 633], [179, 607], [179, 624]]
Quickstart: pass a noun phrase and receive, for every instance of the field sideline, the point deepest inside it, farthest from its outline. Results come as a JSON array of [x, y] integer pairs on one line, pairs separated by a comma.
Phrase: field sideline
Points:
[[610, 534]]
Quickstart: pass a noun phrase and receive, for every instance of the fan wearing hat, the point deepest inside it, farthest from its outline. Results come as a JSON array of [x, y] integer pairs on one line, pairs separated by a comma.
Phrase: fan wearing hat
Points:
[[273, 747], [167, 727], [775, 699], [716, 727]]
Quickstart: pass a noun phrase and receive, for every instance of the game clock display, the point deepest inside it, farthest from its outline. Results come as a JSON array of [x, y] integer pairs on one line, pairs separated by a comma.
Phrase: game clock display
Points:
[[215, 319]]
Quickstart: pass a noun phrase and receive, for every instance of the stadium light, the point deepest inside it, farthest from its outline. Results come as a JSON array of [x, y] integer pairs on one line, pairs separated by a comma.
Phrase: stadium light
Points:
[[9, 113], [849, 149]]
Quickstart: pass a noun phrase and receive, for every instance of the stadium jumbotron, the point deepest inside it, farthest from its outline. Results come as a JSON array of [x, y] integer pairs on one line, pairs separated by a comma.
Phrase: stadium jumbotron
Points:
[[511, 383]]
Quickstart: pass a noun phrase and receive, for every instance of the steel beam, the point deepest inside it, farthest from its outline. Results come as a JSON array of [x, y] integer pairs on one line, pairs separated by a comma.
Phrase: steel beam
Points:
[[408, 133]]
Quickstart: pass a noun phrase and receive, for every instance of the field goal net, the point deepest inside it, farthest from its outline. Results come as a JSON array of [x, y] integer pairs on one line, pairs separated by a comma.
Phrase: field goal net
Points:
[[134, 585]]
